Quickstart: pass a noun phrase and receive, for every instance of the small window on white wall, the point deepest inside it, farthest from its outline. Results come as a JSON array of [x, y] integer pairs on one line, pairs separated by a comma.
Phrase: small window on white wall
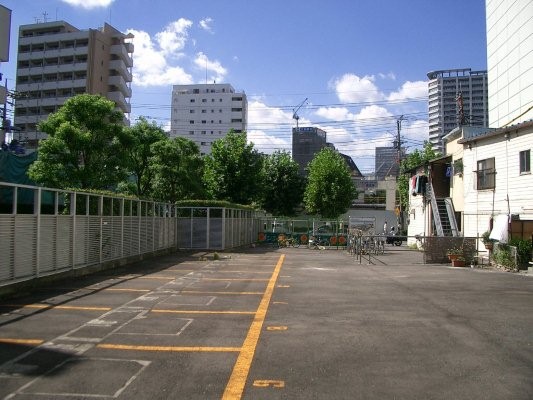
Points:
[[486, 174], [525, 162]]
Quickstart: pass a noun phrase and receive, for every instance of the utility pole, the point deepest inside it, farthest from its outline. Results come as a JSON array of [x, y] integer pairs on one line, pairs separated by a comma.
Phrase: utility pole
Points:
[[4, 125], [398, 145]]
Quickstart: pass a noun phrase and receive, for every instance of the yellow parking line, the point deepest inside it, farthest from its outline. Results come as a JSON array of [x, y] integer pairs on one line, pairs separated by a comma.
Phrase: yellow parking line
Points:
[[203, 312], [168, 348], [127, 290], [21, 341], [235, 386]]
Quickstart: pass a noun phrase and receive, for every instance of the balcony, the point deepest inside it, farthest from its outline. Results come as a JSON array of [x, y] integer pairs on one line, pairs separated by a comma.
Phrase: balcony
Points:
[[120, 101], [120, 67], [121, 50], [119, 83]]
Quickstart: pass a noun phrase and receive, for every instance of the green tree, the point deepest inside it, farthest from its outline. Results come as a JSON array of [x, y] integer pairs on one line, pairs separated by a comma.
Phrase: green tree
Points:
[[85, 147], [330, 190], [144, 135], [176, 167], [413, 160], [233, 170], [283, 185]]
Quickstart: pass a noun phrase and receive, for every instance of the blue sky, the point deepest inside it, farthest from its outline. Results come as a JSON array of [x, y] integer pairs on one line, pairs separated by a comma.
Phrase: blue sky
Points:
[[360, 63]]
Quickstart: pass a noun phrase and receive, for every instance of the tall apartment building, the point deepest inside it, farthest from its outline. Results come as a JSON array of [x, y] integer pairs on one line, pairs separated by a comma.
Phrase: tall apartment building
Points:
[[204, 113], [56, 61], [456, 97], [306, 142], [510, 61], [387, 162]]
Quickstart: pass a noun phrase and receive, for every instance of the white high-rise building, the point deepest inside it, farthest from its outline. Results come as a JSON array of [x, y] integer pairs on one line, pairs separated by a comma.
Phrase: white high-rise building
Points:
[[510, 61], [204, 113], [57, 61], [449, 90]]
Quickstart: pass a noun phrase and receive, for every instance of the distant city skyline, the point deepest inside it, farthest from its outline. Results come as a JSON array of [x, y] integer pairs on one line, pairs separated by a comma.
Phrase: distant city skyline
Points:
[[360, 64]]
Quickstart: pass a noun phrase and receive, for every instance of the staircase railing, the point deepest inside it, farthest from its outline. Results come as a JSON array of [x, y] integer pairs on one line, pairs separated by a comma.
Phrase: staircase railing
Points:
[[451, 216], [450, 211], [435, 209]]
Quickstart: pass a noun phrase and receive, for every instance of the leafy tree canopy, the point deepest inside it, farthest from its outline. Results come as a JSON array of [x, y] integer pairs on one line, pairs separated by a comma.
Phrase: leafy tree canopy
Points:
[[283, 185], [143, 135], [85, 147], [176, 167], [233, 170], [330, 190]]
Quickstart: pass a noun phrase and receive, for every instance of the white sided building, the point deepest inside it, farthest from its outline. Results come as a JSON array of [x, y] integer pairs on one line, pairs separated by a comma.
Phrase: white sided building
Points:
[[204, 113], [510, 61]]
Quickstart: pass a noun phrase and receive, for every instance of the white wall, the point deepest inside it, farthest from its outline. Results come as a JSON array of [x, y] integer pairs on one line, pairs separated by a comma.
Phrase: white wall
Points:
[[479, 205], [510, 60]]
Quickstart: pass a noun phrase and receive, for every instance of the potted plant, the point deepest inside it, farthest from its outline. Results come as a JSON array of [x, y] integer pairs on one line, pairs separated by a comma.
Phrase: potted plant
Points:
[[487, 241], [458, 262], [454, 253]]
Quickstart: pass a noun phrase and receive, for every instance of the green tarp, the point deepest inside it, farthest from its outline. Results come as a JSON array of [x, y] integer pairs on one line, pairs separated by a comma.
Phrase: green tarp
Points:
[[13, 168]]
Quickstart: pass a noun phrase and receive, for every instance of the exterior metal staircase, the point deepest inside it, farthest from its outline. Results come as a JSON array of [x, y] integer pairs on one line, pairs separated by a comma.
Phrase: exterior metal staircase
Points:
[[443, 214]]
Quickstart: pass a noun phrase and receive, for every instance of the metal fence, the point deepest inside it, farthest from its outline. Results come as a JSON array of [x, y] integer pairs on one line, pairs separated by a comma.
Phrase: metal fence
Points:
[[46, 231], [215, 228]]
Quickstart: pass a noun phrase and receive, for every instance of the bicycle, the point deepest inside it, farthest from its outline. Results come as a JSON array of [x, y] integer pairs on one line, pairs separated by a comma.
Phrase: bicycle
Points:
[[379, 244], [318, 243]]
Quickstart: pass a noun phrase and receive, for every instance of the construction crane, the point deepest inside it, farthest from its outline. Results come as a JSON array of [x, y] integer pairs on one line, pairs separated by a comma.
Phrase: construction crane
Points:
[[295, 112]]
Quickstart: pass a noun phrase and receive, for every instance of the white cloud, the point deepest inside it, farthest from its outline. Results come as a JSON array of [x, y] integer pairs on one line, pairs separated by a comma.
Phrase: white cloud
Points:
[[415, 132], [371, 114], [163, 59], [389, 75], [151, 67], [205, 24], [410, 90], [351, 88], [89, 4], [334, 113], [173, 38], [269, 128], [203, 63]]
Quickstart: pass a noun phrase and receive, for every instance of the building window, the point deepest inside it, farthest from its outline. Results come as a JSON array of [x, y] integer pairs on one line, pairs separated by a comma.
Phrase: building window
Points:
[[191, 111], [191, 121], [525, 162], [486, 174]]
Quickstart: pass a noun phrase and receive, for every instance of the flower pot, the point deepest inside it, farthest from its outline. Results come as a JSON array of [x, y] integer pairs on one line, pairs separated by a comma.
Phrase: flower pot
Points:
[[453, 257], [489, 246], [458, 263]]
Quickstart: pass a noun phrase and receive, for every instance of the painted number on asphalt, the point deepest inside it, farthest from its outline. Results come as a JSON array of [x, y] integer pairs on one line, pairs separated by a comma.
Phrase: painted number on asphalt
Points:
[[276, 328], [269, 383]]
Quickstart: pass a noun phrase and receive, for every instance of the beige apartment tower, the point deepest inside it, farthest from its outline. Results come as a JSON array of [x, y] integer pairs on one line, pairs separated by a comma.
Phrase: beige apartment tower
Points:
[[57, 61]]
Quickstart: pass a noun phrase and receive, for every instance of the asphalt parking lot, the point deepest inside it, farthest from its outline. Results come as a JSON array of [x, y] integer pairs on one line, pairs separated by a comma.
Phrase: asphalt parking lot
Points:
[[267, 323]]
